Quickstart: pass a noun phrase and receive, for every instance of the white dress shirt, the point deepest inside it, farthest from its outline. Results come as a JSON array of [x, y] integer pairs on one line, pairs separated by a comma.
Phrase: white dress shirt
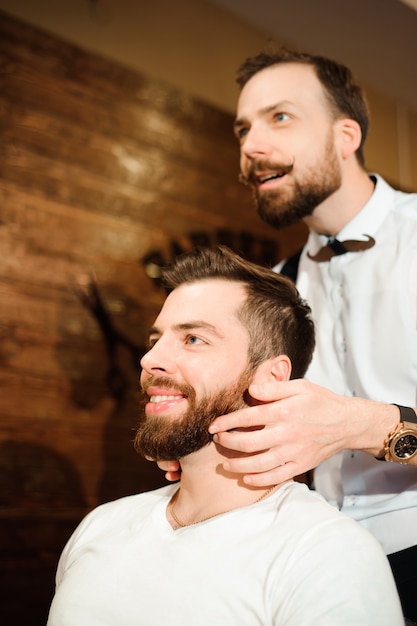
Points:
[[364, 305]]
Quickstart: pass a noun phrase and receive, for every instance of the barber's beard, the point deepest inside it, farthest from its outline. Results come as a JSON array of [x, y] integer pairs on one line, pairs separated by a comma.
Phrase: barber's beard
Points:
[[166, 438], [287, 206]]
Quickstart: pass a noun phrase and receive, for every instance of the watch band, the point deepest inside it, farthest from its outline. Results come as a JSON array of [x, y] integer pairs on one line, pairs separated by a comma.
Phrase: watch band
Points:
[[407, 414]]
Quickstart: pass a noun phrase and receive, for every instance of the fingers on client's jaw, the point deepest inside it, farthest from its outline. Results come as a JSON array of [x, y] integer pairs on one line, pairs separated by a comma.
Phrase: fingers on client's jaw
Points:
[[248, 442], [260, 463]]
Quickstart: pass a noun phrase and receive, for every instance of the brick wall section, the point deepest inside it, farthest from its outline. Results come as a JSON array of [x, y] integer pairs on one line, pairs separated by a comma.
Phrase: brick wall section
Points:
[[102, 171]]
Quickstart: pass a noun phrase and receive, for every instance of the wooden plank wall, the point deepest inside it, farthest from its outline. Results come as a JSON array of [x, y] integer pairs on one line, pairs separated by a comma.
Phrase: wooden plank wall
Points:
[[104, 175]]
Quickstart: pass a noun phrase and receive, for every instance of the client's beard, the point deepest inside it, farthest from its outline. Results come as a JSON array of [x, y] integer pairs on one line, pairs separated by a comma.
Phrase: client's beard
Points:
[[165, 438]]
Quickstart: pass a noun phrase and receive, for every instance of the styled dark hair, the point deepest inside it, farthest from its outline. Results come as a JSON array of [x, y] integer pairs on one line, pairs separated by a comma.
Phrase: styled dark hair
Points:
[[277, 319], [344, 94]]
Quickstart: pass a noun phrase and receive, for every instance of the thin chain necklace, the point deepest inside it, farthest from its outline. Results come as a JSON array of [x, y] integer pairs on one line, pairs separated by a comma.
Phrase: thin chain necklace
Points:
[[183, 524]]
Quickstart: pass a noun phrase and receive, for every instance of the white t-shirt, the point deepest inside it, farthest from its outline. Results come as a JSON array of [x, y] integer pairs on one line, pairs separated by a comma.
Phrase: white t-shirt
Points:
[[364, 305], [291, 560]]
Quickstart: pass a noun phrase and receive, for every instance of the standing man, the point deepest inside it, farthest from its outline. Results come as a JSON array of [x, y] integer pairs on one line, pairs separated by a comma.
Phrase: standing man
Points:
[[213, 550], [302, 122]]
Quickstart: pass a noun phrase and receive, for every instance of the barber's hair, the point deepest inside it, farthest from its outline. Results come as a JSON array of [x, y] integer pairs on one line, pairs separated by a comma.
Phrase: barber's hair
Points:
[[277, 319], [344, 94]]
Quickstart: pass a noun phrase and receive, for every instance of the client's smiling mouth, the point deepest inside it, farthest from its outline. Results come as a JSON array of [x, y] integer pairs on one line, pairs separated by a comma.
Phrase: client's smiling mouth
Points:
[[161, 398]]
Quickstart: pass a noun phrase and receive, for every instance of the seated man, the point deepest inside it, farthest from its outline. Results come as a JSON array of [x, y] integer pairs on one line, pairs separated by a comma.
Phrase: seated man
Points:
[[213, 550]]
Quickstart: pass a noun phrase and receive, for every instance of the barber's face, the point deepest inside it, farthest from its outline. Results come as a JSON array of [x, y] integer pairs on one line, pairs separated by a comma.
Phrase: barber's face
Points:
[[286, 135], [195, 370]]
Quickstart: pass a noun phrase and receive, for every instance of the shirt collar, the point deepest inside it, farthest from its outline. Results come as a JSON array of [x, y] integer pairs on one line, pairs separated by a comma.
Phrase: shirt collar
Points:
[[368, 220]]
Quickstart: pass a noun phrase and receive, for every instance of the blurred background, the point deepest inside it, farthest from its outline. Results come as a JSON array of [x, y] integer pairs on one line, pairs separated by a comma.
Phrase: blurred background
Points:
[[116, 155]]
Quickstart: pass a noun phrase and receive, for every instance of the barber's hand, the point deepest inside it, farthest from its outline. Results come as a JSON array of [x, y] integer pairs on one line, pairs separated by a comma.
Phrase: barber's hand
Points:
[[172, 469], [298, 426]]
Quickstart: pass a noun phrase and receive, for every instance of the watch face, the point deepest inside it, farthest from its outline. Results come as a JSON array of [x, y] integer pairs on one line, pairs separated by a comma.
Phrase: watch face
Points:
[[405, 446]]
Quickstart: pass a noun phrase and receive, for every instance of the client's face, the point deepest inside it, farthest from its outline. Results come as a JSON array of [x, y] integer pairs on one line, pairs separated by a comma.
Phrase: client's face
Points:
[[197, 368]]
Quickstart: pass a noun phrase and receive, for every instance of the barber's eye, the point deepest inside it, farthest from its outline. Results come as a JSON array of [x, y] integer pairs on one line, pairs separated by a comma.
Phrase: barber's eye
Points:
[[241, 133]]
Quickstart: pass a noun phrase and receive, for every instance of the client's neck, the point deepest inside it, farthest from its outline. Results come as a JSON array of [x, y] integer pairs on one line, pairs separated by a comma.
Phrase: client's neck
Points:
[[206, 489]]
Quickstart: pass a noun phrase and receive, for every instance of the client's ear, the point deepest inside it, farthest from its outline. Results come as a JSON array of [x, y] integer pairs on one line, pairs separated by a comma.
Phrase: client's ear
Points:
[[277, 368]]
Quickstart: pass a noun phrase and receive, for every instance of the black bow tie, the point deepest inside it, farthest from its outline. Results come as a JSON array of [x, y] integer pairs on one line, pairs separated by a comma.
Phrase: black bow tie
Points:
[[335, 247]]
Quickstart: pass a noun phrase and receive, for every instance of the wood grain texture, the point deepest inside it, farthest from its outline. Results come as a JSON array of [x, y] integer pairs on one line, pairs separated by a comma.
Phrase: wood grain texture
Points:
[[101, 169]]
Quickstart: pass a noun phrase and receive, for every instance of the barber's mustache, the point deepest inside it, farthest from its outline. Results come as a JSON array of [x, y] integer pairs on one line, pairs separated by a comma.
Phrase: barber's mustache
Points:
[[263, 165]]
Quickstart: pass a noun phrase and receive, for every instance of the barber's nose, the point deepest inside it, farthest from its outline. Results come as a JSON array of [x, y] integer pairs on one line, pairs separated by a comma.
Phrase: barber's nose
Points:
[[256, 143]]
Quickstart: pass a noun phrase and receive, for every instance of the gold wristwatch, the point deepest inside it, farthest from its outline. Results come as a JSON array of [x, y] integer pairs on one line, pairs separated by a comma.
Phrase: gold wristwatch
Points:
[[401, 444]]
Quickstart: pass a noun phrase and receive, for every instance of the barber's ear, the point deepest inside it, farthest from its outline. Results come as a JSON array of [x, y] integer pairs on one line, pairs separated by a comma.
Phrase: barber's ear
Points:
[[350, 135], [277, 368]]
